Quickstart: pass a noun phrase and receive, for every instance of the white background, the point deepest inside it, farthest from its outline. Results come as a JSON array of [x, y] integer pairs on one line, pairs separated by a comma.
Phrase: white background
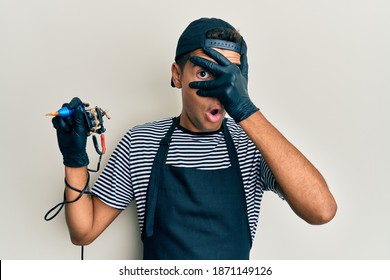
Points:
[[319, 71]]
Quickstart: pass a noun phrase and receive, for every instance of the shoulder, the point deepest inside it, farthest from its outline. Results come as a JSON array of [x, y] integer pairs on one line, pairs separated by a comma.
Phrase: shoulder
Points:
[[156, 125], [241, 140], [141, 134], [235, 129], [155, 128]]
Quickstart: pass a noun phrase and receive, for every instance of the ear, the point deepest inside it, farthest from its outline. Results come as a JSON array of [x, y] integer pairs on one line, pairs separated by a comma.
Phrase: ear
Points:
[[176, 75]]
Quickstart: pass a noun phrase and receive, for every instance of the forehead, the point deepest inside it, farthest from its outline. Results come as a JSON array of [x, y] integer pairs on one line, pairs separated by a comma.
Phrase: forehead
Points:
[[232, 56]]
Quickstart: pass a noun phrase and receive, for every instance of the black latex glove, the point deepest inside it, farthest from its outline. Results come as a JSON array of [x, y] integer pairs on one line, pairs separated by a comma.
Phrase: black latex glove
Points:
[[229, 86], [72, 135]]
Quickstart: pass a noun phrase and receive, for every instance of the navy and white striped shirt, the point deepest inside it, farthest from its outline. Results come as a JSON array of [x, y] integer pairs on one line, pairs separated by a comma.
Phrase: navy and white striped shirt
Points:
[[126, 175]]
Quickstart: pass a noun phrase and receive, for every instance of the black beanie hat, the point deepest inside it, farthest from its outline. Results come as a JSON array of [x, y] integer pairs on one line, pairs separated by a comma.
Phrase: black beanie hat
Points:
[[194, 37]]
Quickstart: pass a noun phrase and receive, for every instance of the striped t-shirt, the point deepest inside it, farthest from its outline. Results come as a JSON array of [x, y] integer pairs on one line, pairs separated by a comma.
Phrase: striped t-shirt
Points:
[[126, 175]]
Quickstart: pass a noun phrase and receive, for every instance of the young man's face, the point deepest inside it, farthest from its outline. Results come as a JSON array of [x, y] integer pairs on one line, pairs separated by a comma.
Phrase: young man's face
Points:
[[200, 114]]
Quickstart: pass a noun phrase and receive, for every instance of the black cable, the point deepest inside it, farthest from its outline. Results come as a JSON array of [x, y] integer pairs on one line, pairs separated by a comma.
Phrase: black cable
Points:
[[98, 165], [82, 252], [64, 202], [81, 192]]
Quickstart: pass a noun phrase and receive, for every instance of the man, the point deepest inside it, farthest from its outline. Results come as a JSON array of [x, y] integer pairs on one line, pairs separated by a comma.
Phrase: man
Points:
[[197, 179]]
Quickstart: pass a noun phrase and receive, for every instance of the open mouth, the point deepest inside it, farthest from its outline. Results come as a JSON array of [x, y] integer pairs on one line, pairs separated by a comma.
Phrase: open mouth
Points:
[[215, 114]]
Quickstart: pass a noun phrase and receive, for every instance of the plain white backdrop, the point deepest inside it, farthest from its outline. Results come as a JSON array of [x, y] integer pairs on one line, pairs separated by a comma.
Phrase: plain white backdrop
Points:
[[319, 71]]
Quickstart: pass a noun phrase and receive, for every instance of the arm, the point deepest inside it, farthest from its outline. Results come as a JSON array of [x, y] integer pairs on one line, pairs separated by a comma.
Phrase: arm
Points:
[[303, 186], [88, 217]]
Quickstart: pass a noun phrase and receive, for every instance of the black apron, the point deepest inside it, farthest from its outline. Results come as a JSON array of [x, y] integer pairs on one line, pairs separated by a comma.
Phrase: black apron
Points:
[[195, 214]]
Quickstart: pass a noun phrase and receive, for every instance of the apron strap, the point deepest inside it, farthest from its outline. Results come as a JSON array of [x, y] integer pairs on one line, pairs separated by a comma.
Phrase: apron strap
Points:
[[153, 181], [230, 147]]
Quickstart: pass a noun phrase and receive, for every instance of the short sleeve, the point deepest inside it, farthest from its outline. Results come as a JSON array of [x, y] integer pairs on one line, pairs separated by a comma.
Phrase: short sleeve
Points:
[[114, 186], [268, 181]]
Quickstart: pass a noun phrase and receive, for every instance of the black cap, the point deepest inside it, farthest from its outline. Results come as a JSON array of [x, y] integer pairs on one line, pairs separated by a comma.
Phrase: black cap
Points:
[[194, 37]]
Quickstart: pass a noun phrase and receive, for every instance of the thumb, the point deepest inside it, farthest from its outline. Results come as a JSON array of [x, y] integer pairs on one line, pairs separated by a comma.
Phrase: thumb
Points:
[[74, 103], [80, 123]]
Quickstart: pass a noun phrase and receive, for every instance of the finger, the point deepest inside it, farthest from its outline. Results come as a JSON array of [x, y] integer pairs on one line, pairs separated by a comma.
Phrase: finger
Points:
[[244, 59], [244, 66], [217, 56], [79, 116], [215, 93], [208, 93], [61, 125], [80, 122], [206, 85]]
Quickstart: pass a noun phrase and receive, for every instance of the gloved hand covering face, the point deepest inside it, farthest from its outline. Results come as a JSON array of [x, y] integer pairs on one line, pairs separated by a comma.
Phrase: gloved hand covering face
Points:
[[72, 135], [230, 85]]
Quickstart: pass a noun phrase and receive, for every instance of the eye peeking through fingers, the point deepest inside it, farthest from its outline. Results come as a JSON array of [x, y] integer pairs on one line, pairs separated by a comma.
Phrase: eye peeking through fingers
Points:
[[204, 75]]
